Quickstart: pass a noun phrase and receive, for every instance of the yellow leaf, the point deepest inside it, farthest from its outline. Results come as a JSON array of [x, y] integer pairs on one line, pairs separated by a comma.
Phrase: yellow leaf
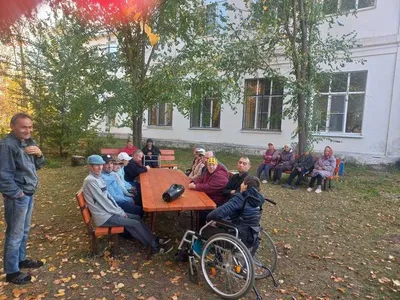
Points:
[[153, 38], [136, 275], [52, 268], [18, 292], [341, 290], [96, 276], [119, 286], [43, 260], [82, 260], [66, 279], [33, 278], [74, 286]]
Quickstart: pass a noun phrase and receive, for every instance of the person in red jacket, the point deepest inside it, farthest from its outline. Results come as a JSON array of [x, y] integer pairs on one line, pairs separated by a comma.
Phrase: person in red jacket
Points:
[[129, 148], [271, 157], [212, 183]]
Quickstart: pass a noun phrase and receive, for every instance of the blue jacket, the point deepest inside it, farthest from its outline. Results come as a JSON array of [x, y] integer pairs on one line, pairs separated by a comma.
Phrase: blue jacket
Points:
[[18, 169], [114, 189], [252, 210]]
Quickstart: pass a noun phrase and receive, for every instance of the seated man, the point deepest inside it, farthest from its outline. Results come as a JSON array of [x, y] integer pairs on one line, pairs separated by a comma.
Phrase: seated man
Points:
[[301, 167], [134, 166], [243, 209], [106, 212], [234, 183], [116, 172], [212, 183], [151, 153], [125, 202]]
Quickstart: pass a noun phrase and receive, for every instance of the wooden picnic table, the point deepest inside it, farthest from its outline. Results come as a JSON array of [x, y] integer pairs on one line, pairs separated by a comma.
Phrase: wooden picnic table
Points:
[[156, 181]]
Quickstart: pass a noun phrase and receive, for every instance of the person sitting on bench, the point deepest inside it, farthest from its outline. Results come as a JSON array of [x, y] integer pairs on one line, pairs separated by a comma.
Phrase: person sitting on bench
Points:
[[106, 212], [151, 153], [235, 182]]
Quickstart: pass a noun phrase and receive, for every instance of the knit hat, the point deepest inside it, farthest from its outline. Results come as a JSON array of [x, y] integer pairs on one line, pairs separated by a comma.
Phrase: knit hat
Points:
[[149, 141], [212, 161]]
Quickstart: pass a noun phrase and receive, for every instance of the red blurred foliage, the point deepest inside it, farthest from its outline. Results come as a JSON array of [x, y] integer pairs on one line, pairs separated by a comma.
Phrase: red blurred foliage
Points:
[[12, 10]]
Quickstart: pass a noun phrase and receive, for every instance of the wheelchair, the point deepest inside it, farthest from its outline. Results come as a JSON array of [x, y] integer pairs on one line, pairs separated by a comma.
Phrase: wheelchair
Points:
[[229, 267]]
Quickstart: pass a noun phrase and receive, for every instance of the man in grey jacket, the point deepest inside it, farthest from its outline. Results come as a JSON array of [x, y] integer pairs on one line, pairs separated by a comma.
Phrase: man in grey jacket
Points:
[[19, 160], [106, 212]]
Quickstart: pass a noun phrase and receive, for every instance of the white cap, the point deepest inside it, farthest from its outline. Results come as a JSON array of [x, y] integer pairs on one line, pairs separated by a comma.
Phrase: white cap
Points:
[[124, 156], [200, 151]]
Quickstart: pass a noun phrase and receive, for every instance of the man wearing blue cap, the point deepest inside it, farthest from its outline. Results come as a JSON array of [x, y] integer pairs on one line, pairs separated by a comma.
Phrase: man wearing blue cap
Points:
[[106, 212]]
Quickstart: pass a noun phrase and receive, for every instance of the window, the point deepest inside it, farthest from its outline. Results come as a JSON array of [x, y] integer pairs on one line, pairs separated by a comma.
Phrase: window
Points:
[[333, 6], [206, 113], [263, 104], [161, 115], [340, 104]]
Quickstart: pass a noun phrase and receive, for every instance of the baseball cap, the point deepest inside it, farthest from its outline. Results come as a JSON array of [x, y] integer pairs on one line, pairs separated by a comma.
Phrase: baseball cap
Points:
[[95, 160], [107, 158], [200, 151], [124, 156], [212, 161]]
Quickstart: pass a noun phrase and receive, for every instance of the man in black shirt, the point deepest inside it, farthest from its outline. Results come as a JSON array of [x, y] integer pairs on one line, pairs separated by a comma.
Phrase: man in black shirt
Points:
[[134, 167], [234, 183]]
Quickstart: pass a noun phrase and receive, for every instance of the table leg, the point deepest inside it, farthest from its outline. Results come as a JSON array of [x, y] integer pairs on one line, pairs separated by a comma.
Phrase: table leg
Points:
[[197, 220], [191, 220], [152, 227]]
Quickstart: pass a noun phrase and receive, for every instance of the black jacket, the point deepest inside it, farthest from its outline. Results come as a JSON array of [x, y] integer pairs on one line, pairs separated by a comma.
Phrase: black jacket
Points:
[[234, 184], [250, 212], [305, 162], [154, 150], [133, 170]]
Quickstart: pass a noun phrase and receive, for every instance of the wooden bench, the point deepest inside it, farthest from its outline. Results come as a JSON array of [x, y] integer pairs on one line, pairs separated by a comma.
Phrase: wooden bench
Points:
[[94, 233], [110, 151], [167, 156]]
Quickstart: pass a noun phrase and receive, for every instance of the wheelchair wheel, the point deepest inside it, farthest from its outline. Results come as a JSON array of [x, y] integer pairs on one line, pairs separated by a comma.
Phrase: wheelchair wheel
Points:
[[265, 256], [227, 266]]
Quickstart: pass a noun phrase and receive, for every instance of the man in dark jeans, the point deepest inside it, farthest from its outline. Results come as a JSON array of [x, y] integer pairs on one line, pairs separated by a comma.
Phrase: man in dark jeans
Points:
[[19, 160], [302, 167]]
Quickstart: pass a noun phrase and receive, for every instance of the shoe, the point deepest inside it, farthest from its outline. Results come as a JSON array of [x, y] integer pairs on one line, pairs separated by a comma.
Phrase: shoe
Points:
[[318, 190], [286, 185], [18, 278], [163, 241], [30, 264], [264, 181], [276, 182], [309, 189], [163, 250], [294, 187]]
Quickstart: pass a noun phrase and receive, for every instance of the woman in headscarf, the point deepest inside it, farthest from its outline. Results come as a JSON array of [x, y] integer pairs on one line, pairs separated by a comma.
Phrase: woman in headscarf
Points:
[[323, 168]]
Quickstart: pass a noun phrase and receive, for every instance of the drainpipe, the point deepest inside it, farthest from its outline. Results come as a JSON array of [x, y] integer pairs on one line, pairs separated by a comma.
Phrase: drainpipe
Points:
[[393, 86]]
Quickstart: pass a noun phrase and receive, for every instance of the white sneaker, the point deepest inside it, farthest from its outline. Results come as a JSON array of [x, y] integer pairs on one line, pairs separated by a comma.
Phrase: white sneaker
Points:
[[264, 181], [309, 189], [318, 190]]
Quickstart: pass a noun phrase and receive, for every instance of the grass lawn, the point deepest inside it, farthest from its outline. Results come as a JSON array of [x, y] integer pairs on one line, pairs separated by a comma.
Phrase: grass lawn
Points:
[[341, 244]]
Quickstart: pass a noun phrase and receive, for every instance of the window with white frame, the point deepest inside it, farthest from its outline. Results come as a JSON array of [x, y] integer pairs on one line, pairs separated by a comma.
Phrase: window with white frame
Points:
[[333, 6], [340, 104], [263, 104], [160, 115]]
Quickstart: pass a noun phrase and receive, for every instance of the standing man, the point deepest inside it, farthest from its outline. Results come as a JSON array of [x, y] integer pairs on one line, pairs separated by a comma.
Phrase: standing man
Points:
[[19, 160]]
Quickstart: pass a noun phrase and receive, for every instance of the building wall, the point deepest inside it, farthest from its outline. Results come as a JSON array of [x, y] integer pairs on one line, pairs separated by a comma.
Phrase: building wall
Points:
[[378, 32]]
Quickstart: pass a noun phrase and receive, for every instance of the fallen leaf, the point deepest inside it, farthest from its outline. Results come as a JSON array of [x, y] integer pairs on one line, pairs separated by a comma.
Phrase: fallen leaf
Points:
[[175, 280], [396, 282], [60, 293], [18, 292], [52, 268], [384, 280], [136, 275], [168, 263], [102, 273], [342, 290], [95, 276], [119, 286], [74, 286]]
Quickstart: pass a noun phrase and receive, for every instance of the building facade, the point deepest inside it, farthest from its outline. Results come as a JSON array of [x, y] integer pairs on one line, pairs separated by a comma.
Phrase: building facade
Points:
[[358, 107]]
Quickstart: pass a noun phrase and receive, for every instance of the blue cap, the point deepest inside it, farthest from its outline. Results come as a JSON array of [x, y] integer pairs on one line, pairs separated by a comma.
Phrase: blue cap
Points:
[[95, 160]]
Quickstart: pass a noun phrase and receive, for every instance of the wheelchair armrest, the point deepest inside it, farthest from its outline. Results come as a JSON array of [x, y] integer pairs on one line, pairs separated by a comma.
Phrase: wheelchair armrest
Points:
[[220, 223]]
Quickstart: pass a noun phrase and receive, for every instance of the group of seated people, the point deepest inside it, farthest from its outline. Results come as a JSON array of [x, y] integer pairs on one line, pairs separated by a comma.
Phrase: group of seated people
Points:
[[285, 160], [150, 152]]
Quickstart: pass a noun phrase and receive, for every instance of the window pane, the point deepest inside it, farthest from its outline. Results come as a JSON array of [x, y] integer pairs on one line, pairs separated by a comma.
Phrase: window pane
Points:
[[216, 114], [365, 3], [319, 113], [330, 6], [348, 4], [358, 81], [251, 87], [277, 87], [275, 119], [323, 83], [264, 87], [355, 113], [339, 82], [161, 114], [195, 116], [169, 115], [206, 113], [249, 113], [262, 113], [337, 104], [336, 122], [153, 116]]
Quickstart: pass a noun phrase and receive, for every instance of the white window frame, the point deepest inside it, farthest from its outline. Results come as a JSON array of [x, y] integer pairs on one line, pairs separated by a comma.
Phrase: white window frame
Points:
[[201, 111], [347, 93], [339, 5], [167, 106], [258, 99]]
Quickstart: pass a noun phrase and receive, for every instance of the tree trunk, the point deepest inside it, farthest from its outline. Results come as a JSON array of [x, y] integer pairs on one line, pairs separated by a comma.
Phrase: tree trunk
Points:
[[137, 130]]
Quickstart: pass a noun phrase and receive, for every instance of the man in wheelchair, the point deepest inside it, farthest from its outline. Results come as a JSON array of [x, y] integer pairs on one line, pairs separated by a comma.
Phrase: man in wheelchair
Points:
[[243, 211]]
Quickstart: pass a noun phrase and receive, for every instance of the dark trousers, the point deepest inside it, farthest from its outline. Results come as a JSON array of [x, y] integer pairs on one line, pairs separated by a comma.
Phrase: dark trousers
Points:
[[318, 178], [295, 173], [151, 161], [263, 171], [278, 172]]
